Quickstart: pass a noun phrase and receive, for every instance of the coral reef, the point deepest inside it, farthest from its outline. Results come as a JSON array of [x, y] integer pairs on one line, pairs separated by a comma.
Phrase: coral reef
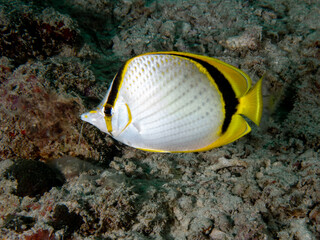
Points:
[[39, 122], [62, 218], [58, 58], [26, 35], [33, 177]]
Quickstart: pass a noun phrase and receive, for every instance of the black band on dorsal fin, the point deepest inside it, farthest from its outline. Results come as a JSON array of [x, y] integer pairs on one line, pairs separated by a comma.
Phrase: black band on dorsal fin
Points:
[[229, 97]]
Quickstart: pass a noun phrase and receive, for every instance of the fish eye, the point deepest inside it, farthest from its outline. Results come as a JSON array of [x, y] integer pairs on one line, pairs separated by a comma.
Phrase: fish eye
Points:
[[108, 111]]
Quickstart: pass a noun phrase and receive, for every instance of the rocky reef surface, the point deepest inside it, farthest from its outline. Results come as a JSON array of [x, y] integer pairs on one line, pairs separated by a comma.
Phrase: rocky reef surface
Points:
[[62, 179]]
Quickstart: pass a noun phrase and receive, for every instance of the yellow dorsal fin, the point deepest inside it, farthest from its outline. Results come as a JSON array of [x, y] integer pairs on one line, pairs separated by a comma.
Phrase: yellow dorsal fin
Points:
[[239, 80], [251, 104]]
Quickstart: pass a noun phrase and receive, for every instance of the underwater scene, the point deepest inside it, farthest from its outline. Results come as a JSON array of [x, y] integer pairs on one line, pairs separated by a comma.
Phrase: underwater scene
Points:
[[164, 120]]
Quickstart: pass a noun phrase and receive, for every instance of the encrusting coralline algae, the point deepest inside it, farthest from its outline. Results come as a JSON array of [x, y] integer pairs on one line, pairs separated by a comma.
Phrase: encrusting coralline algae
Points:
[[60, 60]]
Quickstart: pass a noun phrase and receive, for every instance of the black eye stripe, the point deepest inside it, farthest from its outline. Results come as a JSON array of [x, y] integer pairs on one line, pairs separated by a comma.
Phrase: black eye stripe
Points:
[[108, 111]]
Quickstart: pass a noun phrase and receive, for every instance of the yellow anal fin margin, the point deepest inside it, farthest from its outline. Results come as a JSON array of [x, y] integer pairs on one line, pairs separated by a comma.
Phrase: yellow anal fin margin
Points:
[[154, 150], [238, 128], [251, 104]]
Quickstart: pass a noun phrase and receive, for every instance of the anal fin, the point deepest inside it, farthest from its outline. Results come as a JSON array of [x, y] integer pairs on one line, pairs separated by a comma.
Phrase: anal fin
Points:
[[238, 127]]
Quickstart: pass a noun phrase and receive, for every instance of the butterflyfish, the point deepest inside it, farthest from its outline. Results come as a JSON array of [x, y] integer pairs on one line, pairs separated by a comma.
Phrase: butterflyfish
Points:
[[177, 102]]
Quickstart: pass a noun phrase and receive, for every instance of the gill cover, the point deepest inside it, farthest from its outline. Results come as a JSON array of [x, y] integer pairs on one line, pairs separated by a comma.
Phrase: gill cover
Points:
[[119, 119]]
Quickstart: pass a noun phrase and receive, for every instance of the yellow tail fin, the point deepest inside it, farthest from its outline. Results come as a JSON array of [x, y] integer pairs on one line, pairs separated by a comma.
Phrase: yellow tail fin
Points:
[[251, 104]]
